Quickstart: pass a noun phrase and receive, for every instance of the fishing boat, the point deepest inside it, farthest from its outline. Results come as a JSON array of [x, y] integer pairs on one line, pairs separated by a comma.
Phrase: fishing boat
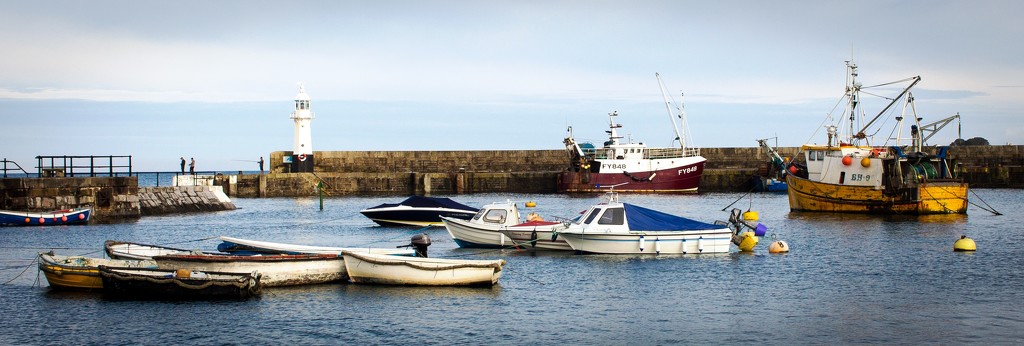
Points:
[[418, 211], [277, 270], [246, 246], [771, 174], [499, 225], [400, 270], [76, 216], [81, 273], [171, 284], [117, 249], [646, 169], [622, 228], [855, 173]]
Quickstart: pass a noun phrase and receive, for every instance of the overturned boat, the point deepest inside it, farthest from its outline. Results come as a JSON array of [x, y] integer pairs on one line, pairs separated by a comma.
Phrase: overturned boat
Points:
[[171, 284]]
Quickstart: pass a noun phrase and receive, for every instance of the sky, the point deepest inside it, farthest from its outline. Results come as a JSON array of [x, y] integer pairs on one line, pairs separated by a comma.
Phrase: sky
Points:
[[216, 80]]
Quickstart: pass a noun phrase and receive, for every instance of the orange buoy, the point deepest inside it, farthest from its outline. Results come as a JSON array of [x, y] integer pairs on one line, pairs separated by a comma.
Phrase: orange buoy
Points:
[[28, 220], [182, 273], [81, 216], [42, 220], [792, 169], [847, 160], [64, 218]]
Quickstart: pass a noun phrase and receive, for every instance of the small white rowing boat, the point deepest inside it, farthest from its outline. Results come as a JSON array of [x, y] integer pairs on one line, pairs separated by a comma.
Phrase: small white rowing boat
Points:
[[403, 270]]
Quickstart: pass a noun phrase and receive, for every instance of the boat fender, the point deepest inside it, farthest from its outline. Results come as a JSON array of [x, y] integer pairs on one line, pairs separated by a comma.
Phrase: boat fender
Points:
[[700, 244], [965, 244], [42, 220], [28, 220], [642, 241], [533, 237], [748, 241], [64, 218], [778, 246], [554, 236], [847, 160], [81, 216], [657, 246], [865, 162]]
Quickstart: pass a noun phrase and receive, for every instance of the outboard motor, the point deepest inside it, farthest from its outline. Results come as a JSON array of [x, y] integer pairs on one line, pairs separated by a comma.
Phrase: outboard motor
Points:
[[420, 242]]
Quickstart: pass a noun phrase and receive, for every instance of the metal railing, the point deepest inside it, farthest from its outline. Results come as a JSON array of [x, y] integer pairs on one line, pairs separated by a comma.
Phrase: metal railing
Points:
[[92, 165], [6, 168]]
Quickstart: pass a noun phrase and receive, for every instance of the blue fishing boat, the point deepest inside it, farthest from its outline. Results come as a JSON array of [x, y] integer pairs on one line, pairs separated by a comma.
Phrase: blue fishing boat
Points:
[[76, 216], [419, 211]]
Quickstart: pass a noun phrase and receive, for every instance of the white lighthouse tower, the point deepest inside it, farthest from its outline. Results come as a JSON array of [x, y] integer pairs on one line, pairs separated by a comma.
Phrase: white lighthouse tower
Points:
[[302, 153]]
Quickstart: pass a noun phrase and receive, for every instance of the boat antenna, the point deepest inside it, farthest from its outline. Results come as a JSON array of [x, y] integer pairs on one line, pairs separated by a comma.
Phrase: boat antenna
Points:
[[671, 116]]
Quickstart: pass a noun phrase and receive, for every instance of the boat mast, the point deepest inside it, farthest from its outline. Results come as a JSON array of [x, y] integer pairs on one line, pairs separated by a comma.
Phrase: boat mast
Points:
[[853, 94], [671, 116]]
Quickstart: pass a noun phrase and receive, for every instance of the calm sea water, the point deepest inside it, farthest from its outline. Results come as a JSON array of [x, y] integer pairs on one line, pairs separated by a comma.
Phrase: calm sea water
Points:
[[848, 279]]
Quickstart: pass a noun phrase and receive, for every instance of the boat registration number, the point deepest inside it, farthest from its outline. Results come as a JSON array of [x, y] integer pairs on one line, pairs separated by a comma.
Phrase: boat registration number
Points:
[[860, 177]]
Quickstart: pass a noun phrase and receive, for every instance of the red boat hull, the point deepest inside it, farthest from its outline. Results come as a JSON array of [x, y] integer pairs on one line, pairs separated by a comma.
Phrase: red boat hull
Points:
[[677, 179]]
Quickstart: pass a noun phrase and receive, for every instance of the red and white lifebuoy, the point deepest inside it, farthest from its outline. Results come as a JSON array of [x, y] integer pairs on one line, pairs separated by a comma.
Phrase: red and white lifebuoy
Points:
[[302, 157]]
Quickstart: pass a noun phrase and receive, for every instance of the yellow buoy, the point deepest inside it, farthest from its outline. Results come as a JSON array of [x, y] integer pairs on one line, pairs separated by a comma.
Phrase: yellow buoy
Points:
[[778, 246], [182, 273], [866, 162], [531, 204], [965, 244], [748, 242], [750, 215]]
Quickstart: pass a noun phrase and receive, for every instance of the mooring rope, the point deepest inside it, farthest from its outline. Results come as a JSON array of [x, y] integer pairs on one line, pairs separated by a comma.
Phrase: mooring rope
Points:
[[22, 272]]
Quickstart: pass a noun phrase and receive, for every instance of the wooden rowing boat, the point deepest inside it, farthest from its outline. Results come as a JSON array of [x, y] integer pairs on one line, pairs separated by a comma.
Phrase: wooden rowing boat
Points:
[[169, 284], [277, 270], [81, 273]]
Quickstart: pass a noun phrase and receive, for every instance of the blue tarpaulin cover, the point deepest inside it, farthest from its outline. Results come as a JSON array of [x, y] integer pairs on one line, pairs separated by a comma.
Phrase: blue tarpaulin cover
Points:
[[643, 219], [429, 202]]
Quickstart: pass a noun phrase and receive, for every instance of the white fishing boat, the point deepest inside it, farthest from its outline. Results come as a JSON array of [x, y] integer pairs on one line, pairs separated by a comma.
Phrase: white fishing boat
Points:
[[277, 270], [645, 168], [246, 246], [499, 225], [622, 228], [402, 270]]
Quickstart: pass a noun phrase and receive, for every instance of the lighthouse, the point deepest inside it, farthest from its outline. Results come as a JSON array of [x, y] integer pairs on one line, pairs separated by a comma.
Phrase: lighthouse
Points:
[[302, 153]]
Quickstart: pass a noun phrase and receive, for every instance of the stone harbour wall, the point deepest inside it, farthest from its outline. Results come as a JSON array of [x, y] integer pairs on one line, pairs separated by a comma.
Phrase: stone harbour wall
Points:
[[111, 198], [182, 199]]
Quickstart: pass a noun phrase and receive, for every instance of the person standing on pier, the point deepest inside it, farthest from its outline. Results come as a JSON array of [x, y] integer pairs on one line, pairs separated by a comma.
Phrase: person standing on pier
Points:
[[182, 165], [192, 167], [261, 164]]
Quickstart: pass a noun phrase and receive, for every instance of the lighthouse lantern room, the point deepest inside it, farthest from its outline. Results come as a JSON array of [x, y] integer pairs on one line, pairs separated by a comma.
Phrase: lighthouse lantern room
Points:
[[302, 153]]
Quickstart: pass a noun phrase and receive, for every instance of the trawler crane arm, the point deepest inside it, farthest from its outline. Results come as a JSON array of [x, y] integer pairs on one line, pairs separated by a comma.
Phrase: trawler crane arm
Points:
[[934, 127], [860, 134]]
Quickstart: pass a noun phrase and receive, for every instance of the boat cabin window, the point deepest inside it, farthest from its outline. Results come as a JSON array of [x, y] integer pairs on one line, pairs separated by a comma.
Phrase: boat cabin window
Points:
[[612, 216], [495, 216], [590, 217]]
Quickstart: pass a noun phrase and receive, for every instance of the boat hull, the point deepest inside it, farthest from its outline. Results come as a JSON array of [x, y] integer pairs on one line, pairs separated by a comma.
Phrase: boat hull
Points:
[[688, 242], [80, 273], [277, 270], [246, 246], [471, 235], [419, 271], [683, 178], [933, 197], [147, 283], [49, 218], [419, 217]]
